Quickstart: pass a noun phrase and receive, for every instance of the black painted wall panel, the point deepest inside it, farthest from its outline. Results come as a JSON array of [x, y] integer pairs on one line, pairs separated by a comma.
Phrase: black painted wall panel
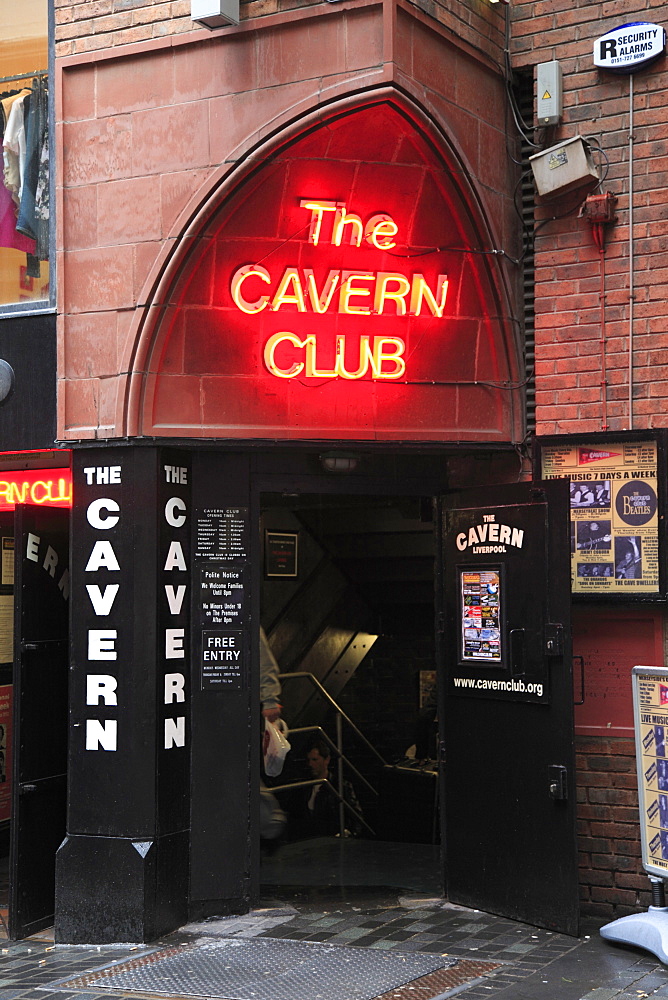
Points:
[[28, 415]]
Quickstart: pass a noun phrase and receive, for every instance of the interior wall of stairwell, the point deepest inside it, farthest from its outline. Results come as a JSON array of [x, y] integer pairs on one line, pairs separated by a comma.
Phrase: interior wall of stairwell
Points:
[[360, 617]]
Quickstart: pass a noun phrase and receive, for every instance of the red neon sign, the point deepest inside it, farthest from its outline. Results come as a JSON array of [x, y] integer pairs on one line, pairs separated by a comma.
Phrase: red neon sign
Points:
[[44, 487], [295, 321], [362, 292]]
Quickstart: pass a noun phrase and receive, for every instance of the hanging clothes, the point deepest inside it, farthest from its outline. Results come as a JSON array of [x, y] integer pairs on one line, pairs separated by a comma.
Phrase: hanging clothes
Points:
[[9, 237], [3, 117], [14, 144], [33, 216]]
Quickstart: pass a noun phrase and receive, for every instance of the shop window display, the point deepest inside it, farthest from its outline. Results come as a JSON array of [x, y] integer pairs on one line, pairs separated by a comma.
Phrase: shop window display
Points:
[[24, 122]]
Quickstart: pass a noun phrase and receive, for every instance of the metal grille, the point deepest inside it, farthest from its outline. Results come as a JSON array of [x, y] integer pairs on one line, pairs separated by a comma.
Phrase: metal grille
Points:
[[266, 969], [526, 199], [445, 982]]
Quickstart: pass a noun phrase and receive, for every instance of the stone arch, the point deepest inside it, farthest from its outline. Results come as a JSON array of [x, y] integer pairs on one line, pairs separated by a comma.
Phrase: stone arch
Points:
[[189, 340]]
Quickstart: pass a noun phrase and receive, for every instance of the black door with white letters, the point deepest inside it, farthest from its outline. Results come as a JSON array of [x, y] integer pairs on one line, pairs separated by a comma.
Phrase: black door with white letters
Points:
[[41, 591], [507, 703]]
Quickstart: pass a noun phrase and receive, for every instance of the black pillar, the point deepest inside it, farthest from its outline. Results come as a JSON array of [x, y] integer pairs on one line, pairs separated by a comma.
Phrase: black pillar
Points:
[[122, 870], [225, 693]]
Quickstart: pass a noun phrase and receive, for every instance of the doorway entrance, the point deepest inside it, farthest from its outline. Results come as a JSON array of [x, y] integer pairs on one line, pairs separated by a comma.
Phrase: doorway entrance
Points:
[[347, 604], [404, 621], [360, 585], [34, 592]]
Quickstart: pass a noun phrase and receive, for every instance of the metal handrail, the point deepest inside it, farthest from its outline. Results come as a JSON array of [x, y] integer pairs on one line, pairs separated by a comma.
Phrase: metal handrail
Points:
[[338, 746], [314, 680], [330, 786]]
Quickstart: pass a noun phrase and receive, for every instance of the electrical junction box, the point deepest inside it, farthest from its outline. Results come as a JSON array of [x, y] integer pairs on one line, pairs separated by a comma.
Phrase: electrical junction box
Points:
[[215, 13], [549, 93], [563, 167]]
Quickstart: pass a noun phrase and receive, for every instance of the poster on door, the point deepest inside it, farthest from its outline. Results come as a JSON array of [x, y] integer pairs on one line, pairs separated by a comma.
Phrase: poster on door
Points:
[[5, 752], [650, 707], [614, 514], [480, 614]]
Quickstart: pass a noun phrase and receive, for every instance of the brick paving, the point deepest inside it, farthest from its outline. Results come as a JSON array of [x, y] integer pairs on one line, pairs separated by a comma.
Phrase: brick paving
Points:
[[495, 957]]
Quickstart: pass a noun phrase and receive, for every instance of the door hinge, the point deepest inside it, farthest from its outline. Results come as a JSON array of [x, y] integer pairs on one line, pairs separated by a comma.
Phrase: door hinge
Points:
[[554, 639]]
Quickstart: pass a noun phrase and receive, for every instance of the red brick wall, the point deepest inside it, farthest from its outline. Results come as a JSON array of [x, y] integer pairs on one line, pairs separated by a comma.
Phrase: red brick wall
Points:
[[612, 879], [573, 346], [89, 25], [569, 364]]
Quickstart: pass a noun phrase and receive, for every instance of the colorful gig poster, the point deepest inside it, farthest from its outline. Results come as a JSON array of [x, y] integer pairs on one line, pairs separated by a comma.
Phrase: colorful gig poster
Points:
[[614, 514], [650, 702], [480, 614]]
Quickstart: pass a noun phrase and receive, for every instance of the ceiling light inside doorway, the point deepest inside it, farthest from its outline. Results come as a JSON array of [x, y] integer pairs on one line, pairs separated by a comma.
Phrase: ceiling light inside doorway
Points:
[[339, 461]]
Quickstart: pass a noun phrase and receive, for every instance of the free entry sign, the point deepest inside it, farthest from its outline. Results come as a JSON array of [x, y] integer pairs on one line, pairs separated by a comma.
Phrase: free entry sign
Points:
[[629, 47]]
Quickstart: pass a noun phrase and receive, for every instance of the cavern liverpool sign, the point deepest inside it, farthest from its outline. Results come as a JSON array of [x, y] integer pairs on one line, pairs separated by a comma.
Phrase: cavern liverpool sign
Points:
[[360, 292]]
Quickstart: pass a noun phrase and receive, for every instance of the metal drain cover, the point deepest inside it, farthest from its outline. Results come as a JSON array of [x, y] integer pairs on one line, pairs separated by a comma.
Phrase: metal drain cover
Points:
[[266, 969]]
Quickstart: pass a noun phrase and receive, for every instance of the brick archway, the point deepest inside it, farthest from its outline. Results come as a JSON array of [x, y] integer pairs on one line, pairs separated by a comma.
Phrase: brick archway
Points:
[[204, 368]]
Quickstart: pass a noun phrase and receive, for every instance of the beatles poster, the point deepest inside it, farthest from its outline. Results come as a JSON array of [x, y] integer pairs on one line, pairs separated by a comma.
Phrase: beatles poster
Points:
[[650, 706], [481, 614], [614, 514]]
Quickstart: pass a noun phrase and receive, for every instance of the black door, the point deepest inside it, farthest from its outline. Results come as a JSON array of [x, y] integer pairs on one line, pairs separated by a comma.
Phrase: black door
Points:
[[41, 591], [507, 704]]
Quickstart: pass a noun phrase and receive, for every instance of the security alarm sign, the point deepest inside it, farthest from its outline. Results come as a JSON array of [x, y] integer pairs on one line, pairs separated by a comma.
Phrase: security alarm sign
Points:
[[629, 47]]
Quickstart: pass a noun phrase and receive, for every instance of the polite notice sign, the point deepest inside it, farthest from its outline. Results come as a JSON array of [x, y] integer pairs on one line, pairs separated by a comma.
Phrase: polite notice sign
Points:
[[650, 709], [629, 47], [222, 594], [614, 514]]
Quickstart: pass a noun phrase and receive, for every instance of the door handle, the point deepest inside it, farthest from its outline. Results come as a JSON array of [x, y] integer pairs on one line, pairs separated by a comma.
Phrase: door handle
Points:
[[27, 789], [582, 680], [558, 782], [517, 637]]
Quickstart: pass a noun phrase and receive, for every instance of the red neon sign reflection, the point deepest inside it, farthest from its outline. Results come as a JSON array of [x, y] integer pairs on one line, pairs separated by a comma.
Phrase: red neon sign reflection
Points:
[[44, 487], [359, 292]]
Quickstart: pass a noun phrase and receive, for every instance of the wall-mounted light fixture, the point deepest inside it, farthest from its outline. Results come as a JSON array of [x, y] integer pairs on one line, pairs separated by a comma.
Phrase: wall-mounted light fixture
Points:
[[339, 461], [6, 380], [214, 13], [563, 167]]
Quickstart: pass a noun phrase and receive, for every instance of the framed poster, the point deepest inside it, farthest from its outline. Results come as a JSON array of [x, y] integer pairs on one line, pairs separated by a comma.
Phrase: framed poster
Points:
[[480, 614], [650, 709], [615, 511], [280, 553]]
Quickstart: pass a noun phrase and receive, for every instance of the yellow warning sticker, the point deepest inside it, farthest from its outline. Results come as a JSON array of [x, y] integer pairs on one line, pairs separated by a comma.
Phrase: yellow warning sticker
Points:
[[547, 96]]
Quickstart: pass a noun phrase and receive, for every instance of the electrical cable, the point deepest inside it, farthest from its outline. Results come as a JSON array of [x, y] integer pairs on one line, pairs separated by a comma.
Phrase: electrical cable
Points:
[[493, 252], [520, 124], [505, 386], [597, 148]]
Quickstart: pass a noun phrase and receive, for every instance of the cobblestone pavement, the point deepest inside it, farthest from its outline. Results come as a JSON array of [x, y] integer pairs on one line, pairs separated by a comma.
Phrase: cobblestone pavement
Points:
[[487, 956]]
